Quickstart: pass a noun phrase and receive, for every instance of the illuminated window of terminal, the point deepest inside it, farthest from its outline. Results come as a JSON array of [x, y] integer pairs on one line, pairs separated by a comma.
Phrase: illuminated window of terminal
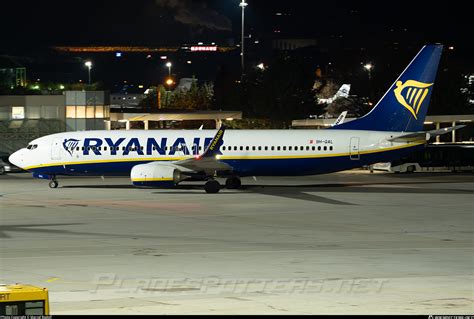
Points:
[[81, 112], [99, 112], [70, 112], [90, 112], [18, 112]]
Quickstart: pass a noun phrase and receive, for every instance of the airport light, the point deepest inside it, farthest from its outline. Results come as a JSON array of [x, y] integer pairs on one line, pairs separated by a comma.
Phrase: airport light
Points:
[[243, 5], [369, 67], [88, 64], [169, 82], [169, 65], [261, 66]]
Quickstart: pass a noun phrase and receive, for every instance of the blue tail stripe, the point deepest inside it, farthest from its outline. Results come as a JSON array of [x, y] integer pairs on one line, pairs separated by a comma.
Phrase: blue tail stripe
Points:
[[404, 107]]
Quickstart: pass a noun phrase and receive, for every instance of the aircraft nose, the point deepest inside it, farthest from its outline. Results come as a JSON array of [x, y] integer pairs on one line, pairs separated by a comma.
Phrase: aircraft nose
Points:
[[17, 159]]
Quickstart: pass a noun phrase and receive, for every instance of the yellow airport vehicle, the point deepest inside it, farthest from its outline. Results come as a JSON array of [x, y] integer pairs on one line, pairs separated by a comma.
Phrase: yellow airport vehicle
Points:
[[23, 300]]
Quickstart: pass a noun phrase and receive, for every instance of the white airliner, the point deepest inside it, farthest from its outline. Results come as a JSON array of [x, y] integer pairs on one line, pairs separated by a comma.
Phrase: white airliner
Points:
[[166, 158], [342, 93]]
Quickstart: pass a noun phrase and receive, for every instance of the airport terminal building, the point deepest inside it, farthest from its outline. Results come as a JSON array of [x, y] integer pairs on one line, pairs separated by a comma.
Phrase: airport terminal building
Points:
[[26, 117]]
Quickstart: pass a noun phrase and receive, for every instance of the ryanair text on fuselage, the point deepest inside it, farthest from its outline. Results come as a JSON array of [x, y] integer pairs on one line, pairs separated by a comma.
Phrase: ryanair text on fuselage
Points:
[[124, 147]]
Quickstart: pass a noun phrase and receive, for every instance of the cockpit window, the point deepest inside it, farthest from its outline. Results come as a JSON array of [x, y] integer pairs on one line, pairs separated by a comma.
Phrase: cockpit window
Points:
[[32, 147]]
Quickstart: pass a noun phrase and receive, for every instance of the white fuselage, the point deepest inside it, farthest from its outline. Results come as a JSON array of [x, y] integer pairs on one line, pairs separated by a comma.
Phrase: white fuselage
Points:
[[249, 152]]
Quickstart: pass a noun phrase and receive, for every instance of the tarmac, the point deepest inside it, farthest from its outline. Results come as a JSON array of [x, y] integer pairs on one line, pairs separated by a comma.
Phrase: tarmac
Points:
[[345, 243]]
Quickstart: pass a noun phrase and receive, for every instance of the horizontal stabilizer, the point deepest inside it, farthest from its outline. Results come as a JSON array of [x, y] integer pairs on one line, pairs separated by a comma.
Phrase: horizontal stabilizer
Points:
[[425, 135]]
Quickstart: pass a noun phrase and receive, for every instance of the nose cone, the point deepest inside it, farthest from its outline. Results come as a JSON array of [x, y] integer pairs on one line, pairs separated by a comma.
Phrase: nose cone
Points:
[[17, 159]]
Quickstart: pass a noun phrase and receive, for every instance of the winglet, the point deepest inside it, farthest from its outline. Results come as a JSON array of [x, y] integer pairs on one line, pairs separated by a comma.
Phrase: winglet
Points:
[[214, 148]]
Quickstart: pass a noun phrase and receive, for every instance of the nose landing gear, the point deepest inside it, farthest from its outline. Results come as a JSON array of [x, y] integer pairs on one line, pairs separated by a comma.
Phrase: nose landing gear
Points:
[[53, 183]]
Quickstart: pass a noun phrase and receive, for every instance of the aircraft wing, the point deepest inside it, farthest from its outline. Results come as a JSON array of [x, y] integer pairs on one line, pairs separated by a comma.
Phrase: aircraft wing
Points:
[[425, 135], [209, 161]]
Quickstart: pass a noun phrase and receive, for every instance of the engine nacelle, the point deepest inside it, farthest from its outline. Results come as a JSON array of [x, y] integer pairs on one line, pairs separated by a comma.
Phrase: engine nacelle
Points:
[[154, 175]]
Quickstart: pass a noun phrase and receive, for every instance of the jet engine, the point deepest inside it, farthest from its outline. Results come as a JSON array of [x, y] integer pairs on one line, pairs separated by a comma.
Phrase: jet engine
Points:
[[154, 174]]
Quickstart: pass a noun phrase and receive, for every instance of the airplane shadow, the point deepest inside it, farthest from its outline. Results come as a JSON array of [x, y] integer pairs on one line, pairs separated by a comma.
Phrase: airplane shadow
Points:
[[301, 192]]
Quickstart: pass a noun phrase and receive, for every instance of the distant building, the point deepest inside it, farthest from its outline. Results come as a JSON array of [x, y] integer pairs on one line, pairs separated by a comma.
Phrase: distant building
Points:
[[13, 77], [126, 101], [293, 44], [26, 117]]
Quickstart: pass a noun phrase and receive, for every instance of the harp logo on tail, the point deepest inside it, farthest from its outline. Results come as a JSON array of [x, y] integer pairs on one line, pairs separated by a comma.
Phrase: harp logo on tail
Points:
[[412, 94]]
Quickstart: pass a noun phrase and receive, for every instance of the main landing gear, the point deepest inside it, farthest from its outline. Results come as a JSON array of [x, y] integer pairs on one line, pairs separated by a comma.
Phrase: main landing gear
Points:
[[233, 183], [213, 187]]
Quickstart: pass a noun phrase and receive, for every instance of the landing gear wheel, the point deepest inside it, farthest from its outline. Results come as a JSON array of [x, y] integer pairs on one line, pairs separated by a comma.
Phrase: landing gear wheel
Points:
[[212, 187], [53, 184], [411, 169], [233, 183]]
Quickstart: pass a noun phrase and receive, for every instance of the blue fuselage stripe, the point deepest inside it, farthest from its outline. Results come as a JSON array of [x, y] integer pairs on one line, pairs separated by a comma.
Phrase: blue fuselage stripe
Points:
[[242, 167]]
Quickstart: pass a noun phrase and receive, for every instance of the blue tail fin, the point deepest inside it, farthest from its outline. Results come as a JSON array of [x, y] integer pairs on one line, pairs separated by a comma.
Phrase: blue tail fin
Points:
[[403, 108]]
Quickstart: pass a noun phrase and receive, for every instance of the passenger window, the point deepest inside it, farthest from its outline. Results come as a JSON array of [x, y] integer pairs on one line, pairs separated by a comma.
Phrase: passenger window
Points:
[[223, 148], [259, 148], [78, 148], [325, 148], [235, 148], [284, 148], [290, 148], [273, 148], [307, 148], [247, 148], [331, 148], [254, 148], [241, 148], [266, 148], [279, 148], [314, 148], [319, 148]]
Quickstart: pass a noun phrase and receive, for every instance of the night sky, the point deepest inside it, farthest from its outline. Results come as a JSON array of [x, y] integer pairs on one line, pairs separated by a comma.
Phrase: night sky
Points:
[[33, 24]]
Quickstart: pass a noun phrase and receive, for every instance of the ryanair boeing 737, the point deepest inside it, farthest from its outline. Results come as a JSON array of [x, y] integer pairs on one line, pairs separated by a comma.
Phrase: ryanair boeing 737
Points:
[[166, 158]]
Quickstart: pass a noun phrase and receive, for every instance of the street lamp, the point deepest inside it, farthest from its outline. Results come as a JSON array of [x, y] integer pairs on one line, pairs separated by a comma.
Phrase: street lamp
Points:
[[243, 5], [88, 64], [169, 82], [369, 67], [169, 65]]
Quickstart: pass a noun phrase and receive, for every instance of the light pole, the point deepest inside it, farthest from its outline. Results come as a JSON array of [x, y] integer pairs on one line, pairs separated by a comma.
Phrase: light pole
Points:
[[369, 67], [243, 4], [169, 65], [88, 64]]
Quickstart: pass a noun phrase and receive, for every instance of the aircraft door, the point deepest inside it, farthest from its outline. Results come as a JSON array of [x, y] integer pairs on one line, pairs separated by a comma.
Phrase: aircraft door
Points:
[[56, 149], [355, 148]]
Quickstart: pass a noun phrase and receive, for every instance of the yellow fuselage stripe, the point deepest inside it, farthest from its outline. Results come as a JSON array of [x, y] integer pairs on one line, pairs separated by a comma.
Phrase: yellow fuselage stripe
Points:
[[223, 157], [152, 179]]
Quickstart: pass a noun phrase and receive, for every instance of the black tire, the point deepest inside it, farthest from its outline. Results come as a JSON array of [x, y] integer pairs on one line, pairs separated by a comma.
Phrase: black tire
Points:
[[53, 184], [212, 187], [2, 170], [233, 183], [411, 169]]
